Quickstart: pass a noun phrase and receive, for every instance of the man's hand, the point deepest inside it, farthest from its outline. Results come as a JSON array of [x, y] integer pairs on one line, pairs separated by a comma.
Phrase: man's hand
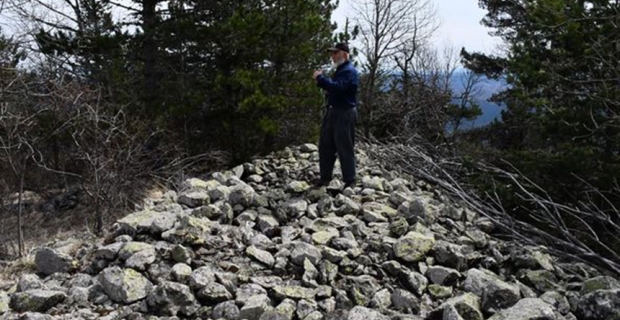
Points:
[[316, 74]]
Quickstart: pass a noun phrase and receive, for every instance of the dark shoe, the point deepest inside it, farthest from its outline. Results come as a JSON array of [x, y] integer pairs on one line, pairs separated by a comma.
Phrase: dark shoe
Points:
[[320, 183], [350, 184]]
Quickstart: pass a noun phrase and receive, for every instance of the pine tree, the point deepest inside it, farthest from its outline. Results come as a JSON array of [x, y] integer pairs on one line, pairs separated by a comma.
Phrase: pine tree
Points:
[[89, 45], [561, 126]]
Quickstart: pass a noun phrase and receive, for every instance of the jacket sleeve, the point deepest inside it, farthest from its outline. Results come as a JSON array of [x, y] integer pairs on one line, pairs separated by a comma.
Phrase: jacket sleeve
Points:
[[345, 81]]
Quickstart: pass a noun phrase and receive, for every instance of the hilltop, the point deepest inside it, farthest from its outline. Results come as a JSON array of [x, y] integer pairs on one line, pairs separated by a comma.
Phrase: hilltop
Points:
[[257, 242]]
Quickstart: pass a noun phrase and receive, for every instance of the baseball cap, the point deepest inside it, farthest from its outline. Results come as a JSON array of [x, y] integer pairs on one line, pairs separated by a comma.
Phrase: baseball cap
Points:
[[339, 46]]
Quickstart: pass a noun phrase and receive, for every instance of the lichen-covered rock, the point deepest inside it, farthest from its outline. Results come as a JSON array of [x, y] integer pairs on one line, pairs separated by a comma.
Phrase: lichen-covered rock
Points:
[[452, 255], [4, 302], [557, 300], [413, 247], [189, 230], [241, 194], [147, 221], [226, 310], [541, 280], [439, 292], [599, 304], [124, 285], [496, 294], [36, 316], [527, 309], [194, 198], [36, 300], [467, 305], [294, 292], [377, 212], [29, 282], [255, 306], [599, 283], [171, 298], [363, 313], [304, 251]]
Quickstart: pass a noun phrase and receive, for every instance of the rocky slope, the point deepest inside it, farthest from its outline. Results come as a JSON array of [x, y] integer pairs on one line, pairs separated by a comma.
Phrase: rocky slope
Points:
[[258, 243]]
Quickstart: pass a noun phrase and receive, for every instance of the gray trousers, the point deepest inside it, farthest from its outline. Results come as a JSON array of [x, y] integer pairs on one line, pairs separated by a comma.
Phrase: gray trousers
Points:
[[337, 140]]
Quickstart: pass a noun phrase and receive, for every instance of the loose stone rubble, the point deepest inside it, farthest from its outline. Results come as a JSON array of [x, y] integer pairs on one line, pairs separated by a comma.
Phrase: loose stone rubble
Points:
[[258, 243]]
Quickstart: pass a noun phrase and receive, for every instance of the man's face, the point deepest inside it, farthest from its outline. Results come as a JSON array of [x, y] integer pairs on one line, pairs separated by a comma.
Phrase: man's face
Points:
[[337, 56]]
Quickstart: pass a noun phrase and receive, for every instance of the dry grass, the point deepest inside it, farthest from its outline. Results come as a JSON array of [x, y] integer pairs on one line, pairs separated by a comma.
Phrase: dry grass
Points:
[[10, 272]]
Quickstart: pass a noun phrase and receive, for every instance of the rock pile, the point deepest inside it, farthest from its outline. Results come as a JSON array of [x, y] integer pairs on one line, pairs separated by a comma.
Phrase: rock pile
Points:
[[258, 243]]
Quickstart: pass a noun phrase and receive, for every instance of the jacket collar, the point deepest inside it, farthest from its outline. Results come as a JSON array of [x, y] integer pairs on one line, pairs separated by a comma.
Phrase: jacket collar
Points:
[[346, 63]]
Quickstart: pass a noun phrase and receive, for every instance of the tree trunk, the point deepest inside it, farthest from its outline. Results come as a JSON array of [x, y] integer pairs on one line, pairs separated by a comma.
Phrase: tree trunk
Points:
[[149, 47], [20, 223]]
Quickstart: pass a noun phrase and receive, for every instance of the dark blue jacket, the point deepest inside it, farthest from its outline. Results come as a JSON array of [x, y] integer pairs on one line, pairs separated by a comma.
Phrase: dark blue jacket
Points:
[[342, 87]]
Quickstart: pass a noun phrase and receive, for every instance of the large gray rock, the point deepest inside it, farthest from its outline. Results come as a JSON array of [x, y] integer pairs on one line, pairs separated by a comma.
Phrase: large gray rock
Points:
[[467, 305], [172, 298], [255, 306], [442, 275], [599, 304], [363, 313], [377, 212], [36, 300], [181, 254], [558, 301], [496, 294], [241, 194], [451, 255], [599, 283], [142, 259], [219, 193], [130, 248], [109, 252], [124, 285], [49, 261], [261, 256], [527, 309], [413, 247], [214, 293], [5, 300], [189, 230], [194, 198], [29, 282], [226, 310], [413, 281], [403, 300], [147, 221], [181, 272], [35, 316], [294, 292], [305, 251], [201, 277]]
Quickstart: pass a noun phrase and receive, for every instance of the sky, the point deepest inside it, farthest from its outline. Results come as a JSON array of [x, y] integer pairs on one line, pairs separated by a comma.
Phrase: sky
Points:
[[460, 24]]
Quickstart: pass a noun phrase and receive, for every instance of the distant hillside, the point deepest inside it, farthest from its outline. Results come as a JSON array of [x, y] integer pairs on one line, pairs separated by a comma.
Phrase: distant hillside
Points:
[[488, 87]]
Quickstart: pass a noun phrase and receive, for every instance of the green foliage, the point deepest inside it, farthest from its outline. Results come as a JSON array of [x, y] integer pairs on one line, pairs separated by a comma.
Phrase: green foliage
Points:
[[561, 127], [235, 75], [562, 105]]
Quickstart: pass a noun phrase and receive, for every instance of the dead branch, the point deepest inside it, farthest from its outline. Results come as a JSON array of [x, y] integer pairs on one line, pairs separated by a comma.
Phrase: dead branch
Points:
[[565, 243]]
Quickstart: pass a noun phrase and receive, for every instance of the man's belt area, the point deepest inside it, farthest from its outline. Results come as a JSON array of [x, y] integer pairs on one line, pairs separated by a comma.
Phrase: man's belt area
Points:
[[329, 106]]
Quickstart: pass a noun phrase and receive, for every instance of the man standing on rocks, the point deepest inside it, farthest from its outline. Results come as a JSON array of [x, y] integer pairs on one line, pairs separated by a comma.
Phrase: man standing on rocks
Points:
[[338, 126]]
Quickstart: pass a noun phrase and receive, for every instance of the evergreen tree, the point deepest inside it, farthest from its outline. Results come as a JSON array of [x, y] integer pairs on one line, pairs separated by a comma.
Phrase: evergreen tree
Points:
[[89, 44], [561, 126]]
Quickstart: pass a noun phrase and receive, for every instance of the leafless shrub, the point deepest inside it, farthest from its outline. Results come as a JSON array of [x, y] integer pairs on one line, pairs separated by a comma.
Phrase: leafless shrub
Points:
[[387, 27], [58, 133]]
